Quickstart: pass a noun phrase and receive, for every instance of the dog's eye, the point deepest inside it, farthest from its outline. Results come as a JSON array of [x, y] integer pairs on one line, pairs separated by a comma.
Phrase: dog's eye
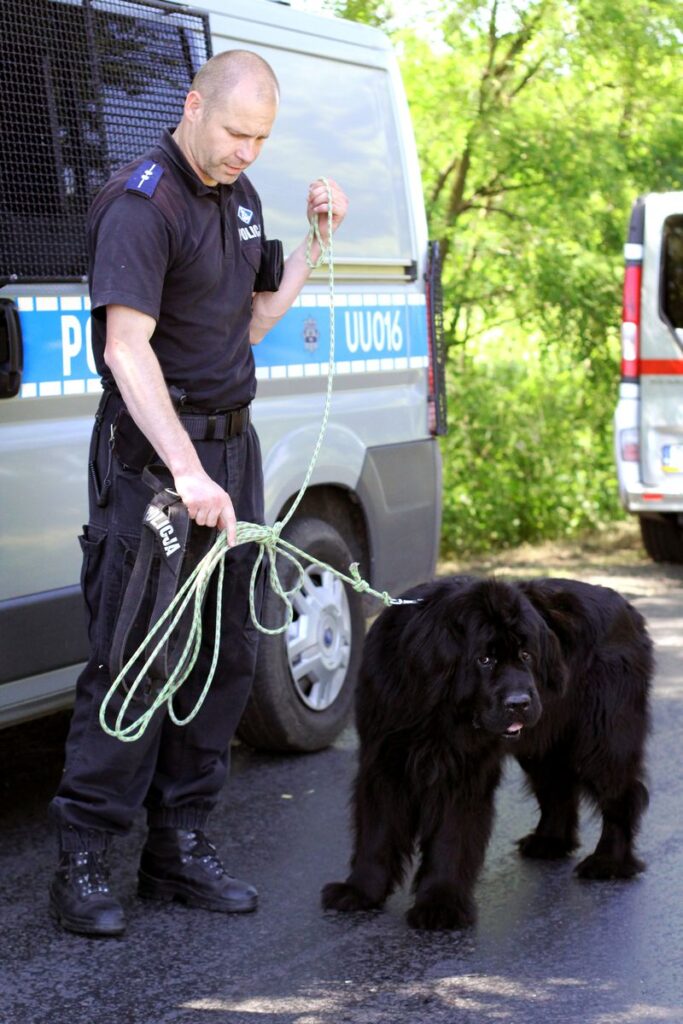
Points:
[[524, 656], [485, 661]]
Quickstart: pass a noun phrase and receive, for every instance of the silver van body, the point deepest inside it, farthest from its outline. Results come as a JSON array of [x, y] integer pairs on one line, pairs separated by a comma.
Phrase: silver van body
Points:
[[377, 481], [649, 414]]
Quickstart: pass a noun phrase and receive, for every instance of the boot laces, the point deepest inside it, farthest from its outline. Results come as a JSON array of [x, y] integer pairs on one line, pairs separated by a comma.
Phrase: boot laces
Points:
[[205, 852], [90, 873]]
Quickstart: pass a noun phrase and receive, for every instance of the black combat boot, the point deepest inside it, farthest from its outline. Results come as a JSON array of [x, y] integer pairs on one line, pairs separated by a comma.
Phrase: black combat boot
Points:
[[80, 898], [182, 864]]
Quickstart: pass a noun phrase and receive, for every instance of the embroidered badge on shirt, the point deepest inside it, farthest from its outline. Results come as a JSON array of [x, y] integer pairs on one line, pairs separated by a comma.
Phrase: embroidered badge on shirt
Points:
[[244, 214], [145, 178]]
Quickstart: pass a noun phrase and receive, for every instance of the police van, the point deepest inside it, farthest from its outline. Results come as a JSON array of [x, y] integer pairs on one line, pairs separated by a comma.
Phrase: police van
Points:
[[89, 85], [649, 414]]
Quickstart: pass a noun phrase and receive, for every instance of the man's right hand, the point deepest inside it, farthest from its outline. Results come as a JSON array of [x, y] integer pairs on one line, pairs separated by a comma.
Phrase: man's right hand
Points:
[[207, 503]]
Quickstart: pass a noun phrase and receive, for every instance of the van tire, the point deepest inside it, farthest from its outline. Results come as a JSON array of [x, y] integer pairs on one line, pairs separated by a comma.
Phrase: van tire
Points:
[[662, 538], [277, 716]]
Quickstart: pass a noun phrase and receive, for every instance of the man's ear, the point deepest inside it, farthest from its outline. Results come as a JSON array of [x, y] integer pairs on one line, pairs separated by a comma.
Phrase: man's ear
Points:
[[194, 102]]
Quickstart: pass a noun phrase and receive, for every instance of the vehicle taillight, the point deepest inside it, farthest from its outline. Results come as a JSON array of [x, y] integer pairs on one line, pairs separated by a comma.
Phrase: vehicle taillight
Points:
[[630, 317], [629, 445]]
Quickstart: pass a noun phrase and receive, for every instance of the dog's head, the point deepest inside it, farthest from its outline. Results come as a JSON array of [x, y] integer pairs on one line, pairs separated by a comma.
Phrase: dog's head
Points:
[[481, 645]]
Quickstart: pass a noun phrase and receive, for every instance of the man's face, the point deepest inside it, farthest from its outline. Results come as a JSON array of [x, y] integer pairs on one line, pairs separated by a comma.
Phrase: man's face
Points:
[[229, 132]]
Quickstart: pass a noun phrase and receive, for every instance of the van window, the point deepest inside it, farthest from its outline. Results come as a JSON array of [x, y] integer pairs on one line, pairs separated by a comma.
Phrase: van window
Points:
[[672, 270], [330, 114], [86, 87]]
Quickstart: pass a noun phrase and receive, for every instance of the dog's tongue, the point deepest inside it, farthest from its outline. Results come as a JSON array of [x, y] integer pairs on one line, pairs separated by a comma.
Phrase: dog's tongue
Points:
[[513, 729]]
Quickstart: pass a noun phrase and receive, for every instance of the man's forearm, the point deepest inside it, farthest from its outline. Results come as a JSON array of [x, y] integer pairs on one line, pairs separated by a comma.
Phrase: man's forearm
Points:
[[326, 205], [139, 378], [270, 307]]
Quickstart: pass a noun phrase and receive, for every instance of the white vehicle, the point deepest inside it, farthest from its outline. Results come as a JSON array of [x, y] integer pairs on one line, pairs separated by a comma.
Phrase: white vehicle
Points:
[[88, 86], [649, 415]]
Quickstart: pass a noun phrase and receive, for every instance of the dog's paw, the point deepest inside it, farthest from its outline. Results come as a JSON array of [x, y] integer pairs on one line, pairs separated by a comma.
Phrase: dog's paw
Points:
[[345, 897], [440, 912], [544, 847], [600, 868]]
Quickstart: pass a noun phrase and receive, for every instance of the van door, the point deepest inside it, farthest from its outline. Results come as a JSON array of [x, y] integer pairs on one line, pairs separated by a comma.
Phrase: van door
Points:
[[661, 344]]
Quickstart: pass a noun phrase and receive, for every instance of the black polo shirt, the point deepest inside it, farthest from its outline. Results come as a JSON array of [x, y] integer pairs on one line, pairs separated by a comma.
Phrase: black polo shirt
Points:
[[163, 242]]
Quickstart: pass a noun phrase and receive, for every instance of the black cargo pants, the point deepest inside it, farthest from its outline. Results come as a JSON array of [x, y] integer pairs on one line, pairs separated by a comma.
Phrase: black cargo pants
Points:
[[175, 772]]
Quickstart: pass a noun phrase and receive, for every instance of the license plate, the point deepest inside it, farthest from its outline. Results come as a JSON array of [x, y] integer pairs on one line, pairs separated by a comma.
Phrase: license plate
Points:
[[672, 458]]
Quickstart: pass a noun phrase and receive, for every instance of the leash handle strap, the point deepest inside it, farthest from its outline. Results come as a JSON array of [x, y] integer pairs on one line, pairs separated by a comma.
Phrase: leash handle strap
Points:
[[163, 543]]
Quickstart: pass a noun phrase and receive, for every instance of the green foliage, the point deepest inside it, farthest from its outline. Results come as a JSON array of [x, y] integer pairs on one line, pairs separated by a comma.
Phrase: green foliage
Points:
[[369, 12], [528, 454], [537, 124]]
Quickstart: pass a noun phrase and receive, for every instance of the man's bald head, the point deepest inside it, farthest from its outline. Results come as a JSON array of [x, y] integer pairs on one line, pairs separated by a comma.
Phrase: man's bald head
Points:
[[228, 115], [227, 71]]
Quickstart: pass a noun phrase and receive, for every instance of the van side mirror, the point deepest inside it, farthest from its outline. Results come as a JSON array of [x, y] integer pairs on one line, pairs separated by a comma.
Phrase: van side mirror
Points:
[[11, 349]]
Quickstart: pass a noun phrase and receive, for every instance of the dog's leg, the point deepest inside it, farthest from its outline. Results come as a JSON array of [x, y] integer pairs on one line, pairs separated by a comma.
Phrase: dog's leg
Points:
[[556, 789], [384, 838], [452, 857], [613, 857]]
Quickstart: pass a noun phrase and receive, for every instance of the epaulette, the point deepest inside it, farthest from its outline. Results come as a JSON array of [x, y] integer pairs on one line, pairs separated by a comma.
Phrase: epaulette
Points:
[[145, 178]]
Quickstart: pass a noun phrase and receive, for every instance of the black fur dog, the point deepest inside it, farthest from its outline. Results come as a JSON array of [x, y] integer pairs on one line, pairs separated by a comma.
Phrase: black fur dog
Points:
[[556, 672]]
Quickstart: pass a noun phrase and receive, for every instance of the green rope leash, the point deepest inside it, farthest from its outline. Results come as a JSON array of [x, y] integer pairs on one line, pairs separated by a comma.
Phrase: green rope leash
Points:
[[268, 539]]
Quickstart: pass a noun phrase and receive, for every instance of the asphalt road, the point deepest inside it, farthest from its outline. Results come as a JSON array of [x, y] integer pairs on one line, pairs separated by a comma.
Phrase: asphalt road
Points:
[[547, 949]]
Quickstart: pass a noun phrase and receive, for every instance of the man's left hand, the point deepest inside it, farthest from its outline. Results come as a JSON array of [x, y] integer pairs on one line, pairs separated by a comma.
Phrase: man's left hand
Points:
[[318, 203]]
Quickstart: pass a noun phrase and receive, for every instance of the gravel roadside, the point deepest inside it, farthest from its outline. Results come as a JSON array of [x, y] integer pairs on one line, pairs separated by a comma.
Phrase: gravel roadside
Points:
[[613, 558]]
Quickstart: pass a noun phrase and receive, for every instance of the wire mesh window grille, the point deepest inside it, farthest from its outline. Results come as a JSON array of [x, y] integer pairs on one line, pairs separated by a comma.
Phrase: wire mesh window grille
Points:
[[87, 85]]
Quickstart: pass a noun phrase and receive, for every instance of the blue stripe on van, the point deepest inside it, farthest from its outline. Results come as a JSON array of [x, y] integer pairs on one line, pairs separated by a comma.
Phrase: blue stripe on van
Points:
[[373, 333]]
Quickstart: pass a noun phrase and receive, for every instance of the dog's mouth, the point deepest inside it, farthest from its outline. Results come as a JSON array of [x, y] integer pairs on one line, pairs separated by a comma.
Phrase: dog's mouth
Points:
[[513, 731], [510, 730]]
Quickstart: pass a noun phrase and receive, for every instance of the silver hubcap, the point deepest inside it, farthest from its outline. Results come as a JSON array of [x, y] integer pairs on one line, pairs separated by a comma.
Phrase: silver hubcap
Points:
[[319, 639]]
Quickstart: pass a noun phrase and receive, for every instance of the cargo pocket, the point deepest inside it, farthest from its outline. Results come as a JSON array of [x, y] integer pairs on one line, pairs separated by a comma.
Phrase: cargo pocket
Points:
[[120, 571], [107, 564], [139, 628], [92, 542]]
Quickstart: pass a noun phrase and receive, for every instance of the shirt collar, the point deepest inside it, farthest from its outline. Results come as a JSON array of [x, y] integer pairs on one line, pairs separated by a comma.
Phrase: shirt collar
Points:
[[174, 152]]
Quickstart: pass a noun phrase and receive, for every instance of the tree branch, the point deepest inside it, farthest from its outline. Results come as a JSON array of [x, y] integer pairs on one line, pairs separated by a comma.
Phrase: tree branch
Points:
[[441, 181]]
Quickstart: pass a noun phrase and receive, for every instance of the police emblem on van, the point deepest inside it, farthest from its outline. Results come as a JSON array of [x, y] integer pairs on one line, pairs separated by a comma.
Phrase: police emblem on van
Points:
[[311, 334], [245, 215]]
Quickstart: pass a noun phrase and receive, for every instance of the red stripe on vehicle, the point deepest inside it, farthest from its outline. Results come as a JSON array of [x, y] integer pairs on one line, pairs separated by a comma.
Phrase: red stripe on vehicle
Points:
[[661, 366]]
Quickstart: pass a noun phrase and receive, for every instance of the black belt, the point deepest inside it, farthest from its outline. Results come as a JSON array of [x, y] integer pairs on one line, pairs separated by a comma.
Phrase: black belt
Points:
[[220, 426]]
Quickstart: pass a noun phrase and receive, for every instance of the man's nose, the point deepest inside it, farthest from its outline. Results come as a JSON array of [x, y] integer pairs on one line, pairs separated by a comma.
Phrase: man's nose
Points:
[[247, 151]]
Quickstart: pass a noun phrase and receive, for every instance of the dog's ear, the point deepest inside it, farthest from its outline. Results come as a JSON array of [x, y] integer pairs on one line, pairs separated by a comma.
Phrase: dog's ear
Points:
[[431, 646], [552, 667], [558, 613]]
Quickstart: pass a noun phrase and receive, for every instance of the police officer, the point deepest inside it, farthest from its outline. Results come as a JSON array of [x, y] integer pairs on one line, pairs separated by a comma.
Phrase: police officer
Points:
[[183, 281]]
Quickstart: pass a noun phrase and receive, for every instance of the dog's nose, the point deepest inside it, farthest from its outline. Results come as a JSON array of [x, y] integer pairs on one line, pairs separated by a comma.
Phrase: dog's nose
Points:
[[518, 702]]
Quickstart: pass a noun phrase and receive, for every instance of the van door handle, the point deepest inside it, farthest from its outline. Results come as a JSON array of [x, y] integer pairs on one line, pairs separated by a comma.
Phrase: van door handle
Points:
[[11, 349]]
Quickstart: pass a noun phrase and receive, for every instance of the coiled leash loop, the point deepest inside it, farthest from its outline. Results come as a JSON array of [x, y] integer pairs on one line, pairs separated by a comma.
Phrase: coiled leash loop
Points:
[[168, 653]]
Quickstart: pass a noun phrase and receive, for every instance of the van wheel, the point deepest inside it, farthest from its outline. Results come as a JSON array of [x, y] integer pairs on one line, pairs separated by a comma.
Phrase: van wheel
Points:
[[305, 679], [662, 538]]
